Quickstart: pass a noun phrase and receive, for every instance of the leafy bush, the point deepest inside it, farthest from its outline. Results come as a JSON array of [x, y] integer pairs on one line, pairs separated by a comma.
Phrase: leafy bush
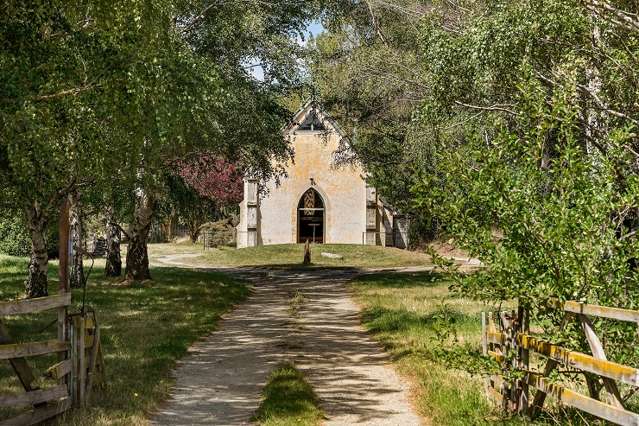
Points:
[[16, 241], [220, 233], [424, 228], [14, 236]]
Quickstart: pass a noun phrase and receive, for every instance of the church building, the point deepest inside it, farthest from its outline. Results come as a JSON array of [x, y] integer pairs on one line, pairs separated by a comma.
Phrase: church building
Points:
[[318, 199]]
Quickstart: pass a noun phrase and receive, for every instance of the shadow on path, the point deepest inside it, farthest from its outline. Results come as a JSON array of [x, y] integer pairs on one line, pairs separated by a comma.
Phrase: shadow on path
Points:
[[220, 381]]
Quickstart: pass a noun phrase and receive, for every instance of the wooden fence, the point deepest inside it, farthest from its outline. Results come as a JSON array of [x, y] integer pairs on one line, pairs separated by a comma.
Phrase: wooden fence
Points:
[[506, 337], [79, 366], [69, 381]]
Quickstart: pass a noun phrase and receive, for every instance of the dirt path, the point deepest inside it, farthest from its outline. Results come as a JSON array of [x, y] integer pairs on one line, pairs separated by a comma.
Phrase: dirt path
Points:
[[220, 381]]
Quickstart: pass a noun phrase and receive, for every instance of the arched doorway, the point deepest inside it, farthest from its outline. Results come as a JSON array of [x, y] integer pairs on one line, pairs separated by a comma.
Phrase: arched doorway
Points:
[[310, 217]]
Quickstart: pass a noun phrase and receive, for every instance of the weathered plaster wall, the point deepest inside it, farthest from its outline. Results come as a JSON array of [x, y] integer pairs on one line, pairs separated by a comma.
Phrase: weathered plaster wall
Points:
[[342, 188], [241, 237]]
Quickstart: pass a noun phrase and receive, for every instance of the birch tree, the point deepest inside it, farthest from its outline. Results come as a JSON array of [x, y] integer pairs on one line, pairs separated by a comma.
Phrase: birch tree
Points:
[[83, 85], [242, 119]]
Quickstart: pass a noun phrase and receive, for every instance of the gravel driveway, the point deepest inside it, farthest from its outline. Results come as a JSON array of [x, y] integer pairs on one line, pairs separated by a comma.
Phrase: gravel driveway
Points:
[[220, 381]]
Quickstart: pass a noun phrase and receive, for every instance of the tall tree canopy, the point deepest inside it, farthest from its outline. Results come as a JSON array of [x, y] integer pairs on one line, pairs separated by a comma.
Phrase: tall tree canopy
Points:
[[92, 93], [513, 123]]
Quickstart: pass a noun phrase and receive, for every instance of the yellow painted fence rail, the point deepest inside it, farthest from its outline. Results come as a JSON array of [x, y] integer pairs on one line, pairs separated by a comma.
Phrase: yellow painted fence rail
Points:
[[506, 337]]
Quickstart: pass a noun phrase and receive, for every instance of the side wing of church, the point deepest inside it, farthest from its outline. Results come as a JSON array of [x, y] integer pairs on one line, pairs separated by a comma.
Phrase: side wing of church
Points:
[[317, 200]]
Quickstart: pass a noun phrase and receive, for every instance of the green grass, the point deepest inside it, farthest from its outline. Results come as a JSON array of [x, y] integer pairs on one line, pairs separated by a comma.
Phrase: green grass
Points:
[[288, 400], [295, 303], [434, 339], [293, 255], [145, 329]]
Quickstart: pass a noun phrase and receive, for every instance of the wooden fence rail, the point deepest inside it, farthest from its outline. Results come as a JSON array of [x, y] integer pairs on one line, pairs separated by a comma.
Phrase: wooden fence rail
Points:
[[79, 369], [507, 339], [80, 364], [39, 304]]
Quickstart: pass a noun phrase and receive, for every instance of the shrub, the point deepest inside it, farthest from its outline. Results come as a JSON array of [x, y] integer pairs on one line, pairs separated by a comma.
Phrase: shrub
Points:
[[16, 241], [14, 236]]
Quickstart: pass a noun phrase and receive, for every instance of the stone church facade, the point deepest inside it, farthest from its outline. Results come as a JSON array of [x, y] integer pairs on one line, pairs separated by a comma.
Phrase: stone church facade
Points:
[[317, 200]]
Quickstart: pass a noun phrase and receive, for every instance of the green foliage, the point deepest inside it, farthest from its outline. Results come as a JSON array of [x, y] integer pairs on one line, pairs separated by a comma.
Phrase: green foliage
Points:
[[520, 140], [14, 240], [432, 336], [544, 191], [288, 399], [365, 70], [98, 98], [145, 330], [187, 205]]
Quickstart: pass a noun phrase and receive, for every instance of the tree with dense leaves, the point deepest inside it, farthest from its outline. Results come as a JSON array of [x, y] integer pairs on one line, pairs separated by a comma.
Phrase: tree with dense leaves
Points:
[[200, 188], [516, 124], [366, 71], [89, 89], [81, 82], [211, 177], [63, 66], [247, 115]]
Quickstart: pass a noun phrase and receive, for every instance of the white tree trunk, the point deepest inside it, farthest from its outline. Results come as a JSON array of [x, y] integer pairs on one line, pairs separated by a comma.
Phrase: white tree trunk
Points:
[[137, 257], [36, 284], [113, 267], [594, 86], [75, 227]]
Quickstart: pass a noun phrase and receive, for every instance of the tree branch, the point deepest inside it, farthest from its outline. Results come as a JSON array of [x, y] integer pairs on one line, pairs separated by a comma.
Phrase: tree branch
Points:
[[600, 103], [603, 106], [73, 92], [117, 225], [626, 19], [375, 23], [495, 107]]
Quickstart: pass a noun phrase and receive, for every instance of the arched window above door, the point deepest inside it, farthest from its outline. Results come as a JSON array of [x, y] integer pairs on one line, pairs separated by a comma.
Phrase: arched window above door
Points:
[[311, 201]]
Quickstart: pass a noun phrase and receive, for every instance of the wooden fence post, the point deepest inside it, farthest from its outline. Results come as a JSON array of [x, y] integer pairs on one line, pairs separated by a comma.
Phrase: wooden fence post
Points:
[[73, 374], [484, 331], [63, 276], [82, 365], [511, 346], [523, 326], [78, 361], [598, 352]]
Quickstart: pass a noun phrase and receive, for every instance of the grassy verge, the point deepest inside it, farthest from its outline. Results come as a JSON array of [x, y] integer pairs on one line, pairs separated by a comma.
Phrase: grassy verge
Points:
[[434, 338], [145, 329], [288, 400], [293, 254]]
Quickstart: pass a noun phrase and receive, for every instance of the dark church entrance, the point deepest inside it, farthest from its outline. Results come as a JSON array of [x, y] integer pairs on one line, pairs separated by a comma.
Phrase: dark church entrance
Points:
[[310, 217]]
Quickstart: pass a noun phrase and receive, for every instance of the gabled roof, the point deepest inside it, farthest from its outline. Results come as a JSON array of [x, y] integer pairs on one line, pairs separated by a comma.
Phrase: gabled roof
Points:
[[308, 108]]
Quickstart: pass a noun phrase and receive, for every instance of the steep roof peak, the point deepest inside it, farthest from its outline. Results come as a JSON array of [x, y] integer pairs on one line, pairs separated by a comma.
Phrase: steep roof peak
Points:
[[312, 116]]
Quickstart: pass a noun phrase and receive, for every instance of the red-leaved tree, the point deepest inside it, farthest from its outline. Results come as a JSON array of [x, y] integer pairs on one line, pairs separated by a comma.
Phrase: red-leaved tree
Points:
[[204, 184]]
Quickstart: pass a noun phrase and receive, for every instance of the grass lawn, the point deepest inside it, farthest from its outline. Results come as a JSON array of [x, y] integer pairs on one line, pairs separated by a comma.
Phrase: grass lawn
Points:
[[145, 329], [288, 400], [434, 338], [293, 255]]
